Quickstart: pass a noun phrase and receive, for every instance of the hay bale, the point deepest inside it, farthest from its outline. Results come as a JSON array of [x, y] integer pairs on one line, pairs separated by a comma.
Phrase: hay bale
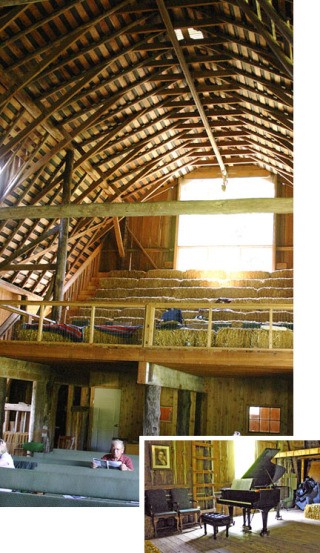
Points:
[[198, 282], [284, 273], [126, 273], [118, 282], [201, 338], [165, 273], [29, 335], [233, 338], [173, 337], [158, 282], [248, 274], [192, 273], [280, 282], [282, 339], [312, 511], [275, 292], [100, 337]]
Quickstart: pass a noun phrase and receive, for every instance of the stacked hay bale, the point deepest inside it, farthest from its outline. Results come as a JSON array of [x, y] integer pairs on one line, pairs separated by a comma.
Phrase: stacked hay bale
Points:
[[101, 337], [282, 339], [31, 335], [182, 337], [233, 338]]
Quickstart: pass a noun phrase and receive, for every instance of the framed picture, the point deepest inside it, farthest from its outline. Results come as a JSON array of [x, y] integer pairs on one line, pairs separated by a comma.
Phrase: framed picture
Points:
[[160, 455]]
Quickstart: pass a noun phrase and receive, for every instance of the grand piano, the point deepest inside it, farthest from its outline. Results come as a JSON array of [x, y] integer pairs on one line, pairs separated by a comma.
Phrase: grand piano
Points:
[[256, 490]]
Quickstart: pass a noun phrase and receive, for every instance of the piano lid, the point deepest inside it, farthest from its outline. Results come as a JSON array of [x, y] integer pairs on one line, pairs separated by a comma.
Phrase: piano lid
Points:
[[263, 471]]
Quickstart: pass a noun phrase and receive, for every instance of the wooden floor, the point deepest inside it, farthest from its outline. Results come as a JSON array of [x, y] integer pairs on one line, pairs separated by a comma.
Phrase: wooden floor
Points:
[[293, 534]]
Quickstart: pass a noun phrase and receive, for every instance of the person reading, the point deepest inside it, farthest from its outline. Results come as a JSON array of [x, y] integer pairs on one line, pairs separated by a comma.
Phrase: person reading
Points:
[[6, 460], [116, 458]]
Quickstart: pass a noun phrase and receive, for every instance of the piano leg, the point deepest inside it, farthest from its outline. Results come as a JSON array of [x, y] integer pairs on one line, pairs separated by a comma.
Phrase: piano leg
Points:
[[278, 515], [264, 513], [230, 507], [246, 519]]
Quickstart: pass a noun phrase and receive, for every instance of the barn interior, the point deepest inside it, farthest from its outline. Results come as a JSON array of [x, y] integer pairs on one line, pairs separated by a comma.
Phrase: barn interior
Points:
[[201, 479], [107, 109]]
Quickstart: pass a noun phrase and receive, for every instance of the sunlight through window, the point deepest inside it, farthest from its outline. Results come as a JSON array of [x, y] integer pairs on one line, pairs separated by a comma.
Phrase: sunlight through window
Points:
[[244, 455], [241, 242]]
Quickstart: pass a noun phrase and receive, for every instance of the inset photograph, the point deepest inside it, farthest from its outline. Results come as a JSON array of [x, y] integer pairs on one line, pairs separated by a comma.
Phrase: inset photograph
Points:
[[239, 495]]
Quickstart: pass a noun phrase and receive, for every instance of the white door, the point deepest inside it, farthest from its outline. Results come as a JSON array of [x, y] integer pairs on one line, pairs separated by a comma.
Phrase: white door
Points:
[[106, 412]]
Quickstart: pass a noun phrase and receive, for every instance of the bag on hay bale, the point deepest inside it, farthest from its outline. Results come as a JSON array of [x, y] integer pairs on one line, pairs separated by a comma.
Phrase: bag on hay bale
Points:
[[171, 318]]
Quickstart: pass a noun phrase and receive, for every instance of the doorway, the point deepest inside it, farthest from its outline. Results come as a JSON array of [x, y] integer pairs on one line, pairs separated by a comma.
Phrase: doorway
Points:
[[105, 421]]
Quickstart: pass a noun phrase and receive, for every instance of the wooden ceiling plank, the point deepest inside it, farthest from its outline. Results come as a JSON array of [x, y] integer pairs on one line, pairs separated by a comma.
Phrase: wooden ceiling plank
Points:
[[273, 45], [33, 26], [87, 49], [282, 26], [9, 17], [179, 53], [19, 252]]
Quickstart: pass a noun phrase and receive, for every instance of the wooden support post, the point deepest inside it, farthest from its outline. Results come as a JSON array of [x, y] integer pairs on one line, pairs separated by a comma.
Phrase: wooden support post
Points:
[[3, 391], [62, 254], [39, 410], [151, 423], [184, 405]]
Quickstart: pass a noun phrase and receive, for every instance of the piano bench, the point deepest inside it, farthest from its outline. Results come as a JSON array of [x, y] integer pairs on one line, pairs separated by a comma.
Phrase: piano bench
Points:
[[215, 520]]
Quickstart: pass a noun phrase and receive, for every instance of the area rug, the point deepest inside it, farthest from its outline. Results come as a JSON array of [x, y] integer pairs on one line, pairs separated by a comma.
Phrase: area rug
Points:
[[291, 537]]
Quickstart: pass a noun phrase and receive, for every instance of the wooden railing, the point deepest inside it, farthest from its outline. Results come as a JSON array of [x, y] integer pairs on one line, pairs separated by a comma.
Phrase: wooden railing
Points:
[[151, 318]]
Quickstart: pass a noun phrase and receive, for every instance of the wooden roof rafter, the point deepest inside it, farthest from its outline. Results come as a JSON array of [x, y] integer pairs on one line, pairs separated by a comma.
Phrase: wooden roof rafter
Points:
[[120, 98]]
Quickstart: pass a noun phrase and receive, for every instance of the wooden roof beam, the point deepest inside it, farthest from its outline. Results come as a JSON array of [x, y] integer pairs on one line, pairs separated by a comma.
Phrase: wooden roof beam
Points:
[[156, 209], [261, 29], [179, 53]]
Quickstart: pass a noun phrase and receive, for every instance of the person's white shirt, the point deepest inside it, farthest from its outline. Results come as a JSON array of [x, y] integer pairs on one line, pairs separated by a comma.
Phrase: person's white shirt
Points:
[[6, 461]]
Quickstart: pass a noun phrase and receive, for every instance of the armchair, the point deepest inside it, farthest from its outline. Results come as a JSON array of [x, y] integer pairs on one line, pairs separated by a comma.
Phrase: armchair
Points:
[[156, 506], [183, 504]]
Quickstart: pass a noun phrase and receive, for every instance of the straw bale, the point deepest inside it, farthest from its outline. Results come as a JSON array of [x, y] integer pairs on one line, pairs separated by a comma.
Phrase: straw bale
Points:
[[192, 273], [268, 300], [312, 511], [233, 338], [214, 275], [275, 292], [201, 337], [164, 273], [181, 337], [132, 312], [158, 282], [280, 282], [101, 337], [102, 293], [280, 339], [118, 282], [238, 292], [198, 282], [283, 273], [248, 274], [29, 335], [100, 312], [126, 273]]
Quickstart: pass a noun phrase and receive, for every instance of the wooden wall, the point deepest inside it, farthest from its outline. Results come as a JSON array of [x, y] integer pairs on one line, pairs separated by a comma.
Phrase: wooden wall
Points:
[[225, 405], [229, 399], [157, 236], [284, 234], [180, 472]]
